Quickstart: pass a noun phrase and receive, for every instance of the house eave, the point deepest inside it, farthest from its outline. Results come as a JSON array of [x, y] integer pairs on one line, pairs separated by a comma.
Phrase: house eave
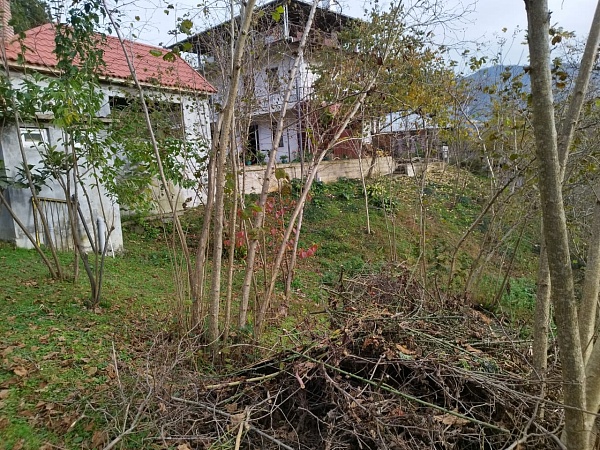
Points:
[[328, 16], [23, 68]]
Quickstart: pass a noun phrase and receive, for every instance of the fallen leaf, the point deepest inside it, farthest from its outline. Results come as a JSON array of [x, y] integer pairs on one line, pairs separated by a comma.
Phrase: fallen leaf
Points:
[[183, 446], [20, 371], [99, 438], [450, 419], [485, 319], [26, 413], [92, 371], [4, 394], [7, 351], [10, 382], [111, 372], [472, 349], [231, 407], [19, 445], [236, 419], [49, 356], [397, 412], [404, 349], [42, 386]]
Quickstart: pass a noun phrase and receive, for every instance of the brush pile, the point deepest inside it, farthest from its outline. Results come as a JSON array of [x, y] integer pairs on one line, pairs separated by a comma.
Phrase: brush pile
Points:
[[400, 369]]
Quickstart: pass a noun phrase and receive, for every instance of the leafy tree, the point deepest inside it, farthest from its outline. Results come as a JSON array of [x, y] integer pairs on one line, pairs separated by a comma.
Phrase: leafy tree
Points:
[[135, 169], [412, 75], [28, 14], [77, 162]]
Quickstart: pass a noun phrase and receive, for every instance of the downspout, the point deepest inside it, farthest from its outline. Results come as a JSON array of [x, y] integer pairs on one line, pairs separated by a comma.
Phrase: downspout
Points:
[[286, 24]]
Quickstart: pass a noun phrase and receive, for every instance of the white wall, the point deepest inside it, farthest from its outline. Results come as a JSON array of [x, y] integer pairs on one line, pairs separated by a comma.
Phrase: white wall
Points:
[[267, 111], [196, 123], [99, 205], [289, 150], [269, 102]]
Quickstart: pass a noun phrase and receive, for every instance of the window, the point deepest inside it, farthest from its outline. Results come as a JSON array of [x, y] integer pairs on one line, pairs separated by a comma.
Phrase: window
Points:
[[273, 79], [34, 137], [118, 103], [166, 117]]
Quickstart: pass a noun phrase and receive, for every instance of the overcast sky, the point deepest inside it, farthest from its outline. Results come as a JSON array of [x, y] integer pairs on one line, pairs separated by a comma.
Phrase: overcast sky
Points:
[[483, 22]]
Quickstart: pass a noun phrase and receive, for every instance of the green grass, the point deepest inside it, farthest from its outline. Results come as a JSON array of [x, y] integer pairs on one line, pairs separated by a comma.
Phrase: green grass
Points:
[[55, 352], [517, 301], [55, 377]]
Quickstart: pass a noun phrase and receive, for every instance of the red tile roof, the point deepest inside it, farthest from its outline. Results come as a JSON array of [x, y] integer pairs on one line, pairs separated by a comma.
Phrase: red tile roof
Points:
[[150, 69]]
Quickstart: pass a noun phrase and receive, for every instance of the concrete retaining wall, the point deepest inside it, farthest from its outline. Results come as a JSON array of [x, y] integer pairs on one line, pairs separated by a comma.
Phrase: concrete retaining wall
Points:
[[329, 171]]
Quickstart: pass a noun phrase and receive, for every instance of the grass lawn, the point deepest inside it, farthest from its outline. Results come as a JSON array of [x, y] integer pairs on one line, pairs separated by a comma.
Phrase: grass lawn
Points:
[[57, 378], [56, 354]]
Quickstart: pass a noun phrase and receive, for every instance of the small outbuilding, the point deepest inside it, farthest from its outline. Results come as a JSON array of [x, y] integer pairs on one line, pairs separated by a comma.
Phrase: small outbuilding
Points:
[[180, 87]]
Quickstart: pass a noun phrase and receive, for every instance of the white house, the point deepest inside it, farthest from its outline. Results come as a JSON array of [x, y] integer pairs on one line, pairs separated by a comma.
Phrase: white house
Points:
[[276, 32], [172, 78]]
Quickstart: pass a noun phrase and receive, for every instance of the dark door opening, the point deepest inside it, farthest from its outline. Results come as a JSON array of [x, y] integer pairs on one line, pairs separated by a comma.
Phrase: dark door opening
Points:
[[252, 149]]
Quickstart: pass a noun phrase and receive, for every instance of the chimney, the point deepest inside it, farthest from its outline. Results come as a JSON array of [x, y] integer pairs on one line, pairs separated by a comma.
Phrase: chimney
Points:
[[6, 31]]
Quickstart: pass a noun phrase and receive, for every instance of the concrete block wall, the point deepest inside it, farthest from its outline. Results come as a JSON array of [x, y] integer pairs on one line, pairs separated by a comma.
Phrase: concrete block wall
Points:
[[329, 171]]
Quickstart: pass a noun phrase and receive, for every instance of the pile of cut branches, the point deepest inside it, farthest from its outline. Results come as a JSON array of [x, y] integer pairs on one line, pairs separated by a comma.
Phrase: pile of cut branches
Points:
[[400, 369]]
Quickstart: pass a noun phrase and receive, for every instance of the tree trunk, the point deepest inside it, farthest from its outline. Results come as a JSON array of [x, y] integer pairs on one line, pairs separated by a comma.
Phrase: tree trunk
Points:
[[294, 257], [259, 220], [555, 230], [224, 138], [232, 241], [541, 323], [591, 287], [197, 282]]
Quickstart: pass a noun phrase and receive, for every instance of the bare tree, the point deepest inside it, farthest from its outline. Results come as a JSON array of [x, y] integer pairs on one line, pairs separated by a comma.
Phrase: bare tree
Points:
[[259, 220], [581, 373]]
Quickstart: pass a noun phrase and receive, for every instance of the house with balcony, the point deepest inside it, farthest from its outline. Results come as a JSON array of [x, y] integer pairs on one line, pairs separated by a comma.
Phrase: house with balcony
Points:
[[273, 47]]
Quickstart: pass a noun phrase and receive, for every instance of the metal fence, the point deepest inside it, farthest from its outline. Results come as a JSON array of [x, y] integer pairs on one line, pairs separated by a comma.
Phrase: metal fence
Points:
[[56, 214]]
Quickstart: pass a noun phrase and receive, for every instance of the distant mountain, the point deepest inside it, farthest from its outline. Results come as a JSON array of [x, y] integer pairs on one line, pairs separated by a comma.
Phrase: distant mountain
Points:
[[490, 75], [496, 82], [504, 83]]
